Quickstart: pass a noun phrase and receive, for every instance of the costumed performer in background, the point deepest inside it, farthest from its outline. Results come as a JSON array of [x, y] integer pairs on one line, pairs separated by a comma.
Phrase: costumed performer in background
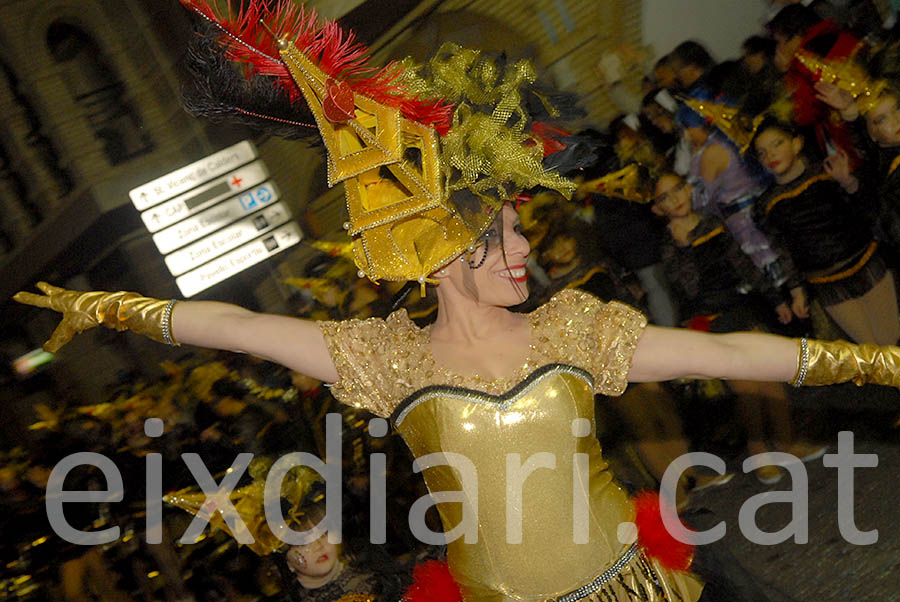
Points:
[[481, 384], [315, 571]]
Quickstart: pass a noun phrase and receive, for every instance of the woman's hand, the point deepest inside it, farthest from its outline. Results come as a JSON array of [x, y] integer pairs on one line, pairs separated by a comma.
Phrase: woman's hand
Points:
[[838, 167], [64, 302], [784, 313], [838, 99], [798, 303], [84, 310]]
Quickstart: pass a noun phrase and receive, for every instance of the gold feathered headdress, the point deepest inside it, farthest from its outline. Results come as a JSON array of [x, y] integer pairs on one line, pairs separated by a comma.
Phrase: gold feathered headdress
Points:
[[425, 167]]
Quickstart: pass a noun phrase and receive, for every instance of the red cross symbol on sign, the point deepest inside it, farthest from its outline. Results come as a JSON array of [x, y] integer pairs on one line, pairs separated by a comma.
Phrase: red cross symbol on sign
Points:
[[236, 181]]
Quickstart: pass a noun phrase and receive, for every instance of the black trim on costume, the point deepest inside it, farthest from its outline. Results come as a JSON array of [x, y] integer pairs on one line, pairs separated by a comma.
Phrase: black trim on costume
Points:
[[488, 398]]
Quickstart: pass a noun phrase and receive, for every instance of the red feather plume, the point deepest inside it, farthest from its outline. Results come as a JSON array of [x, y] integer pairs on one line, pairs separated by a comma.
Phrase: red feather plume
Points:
[[334, 50], [432, 582], [653, 536]]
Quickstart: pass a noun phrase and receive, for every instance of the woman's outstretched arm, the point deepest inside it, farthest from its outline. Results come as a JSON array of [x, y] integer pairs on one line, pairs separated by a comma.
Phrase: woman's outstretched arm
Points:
[[292, 342], [669, 353]]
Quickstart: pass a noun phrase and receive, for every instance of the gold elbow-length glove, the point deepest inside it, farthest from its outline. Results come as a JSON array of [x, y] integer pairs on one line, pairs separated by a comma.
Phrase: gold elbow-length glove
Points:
[[831, 362], [83, 310]]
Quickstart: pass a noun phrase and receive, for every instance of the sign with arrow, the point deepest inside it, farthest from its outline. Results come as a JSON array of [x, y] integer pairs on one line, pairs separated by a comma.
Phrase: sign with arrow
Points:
[[190, 176], [194, 201], [239, 260], [216, 217], [227, 239]]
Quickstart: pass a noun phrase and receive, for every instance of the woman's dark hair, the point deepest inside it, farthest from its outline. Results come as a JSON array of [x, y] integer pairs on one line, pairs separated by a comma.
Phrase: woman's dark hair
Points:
[[885, 64], [729, 82], [692, 53], [664, 61], [793, 20], [771, 122], [759, 45]]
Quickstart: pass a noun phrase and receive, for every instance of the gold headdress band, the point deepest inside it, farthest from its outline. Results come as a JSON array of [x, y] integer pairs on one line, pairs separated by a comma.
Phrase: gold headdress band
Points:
[[847, 75], [782, 110], [723, 117]]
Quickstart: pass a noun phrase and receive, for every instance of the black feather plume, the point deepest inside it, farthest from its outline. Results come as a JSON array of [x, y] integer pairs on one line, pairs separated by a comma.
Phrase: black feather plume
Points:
[[220, 92]]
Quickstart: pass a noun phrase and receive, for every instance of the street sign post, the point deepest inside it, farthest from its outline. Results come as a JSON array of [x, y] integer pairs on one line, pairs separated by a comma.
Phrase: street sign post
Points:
[[226, 239], [167, 213], [240, 259], [216, 217], [198, 226], [183, 179]]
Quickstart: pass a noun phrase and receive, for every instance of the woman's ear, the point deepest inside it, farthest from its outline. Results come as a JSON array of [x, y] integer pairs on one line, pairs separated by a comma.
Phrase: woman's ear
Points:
[[797, 144]]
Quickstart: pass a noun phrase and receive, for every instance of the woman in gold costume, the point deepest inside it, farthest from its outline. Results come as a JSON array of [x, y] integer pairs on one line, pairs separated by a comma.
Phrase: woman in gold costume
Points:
[[506, 399]]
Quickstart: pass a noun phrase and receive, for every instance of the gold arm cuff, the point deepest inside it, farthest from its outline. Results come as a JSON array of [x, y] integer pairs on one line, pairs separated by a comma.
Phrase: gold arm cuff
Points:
[[833, 362], [131, 311]]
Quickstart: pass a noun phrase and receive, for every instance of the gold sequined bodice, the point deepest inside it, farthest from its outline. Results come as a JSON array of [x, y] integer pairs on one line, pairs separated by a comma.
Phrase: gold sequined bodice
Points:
[[382, 362], [527, 458]]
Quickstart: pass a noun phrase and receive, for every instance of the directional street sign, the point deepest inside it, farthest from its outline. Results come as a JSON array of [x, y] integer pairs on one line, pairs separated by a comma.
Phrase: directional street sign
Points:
[[238, 260], [227, 239], [189, 203], [215, 217], [190, 176]]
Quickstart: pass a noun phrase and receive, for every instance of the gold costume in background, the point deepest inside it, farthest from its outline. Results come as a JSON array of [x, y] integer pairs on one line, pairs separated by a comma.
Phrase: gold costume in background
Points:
[[580, 346]]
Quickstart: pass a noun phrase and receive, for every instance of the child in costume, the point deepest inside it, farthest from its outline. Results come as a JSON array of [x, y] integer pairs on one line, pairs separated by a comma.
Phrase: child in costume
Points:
[[709, 275], [321, 571], [725, 187], [871, 102], [316, 570], [827, 235], [797, 30], [482, 385]]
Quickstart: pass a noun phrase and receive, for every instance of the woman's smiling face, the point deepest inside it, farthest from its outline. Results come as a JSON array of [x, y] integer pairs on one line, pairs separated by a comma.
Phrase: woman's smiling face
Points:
[[494, 273]]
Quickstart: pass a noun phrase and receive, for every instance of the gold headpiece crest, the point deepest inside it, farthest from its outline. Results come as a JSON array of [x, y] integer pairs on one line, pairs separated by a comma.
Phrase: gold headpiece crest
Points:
[[624, 184], [847, 75], [727, 119]]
